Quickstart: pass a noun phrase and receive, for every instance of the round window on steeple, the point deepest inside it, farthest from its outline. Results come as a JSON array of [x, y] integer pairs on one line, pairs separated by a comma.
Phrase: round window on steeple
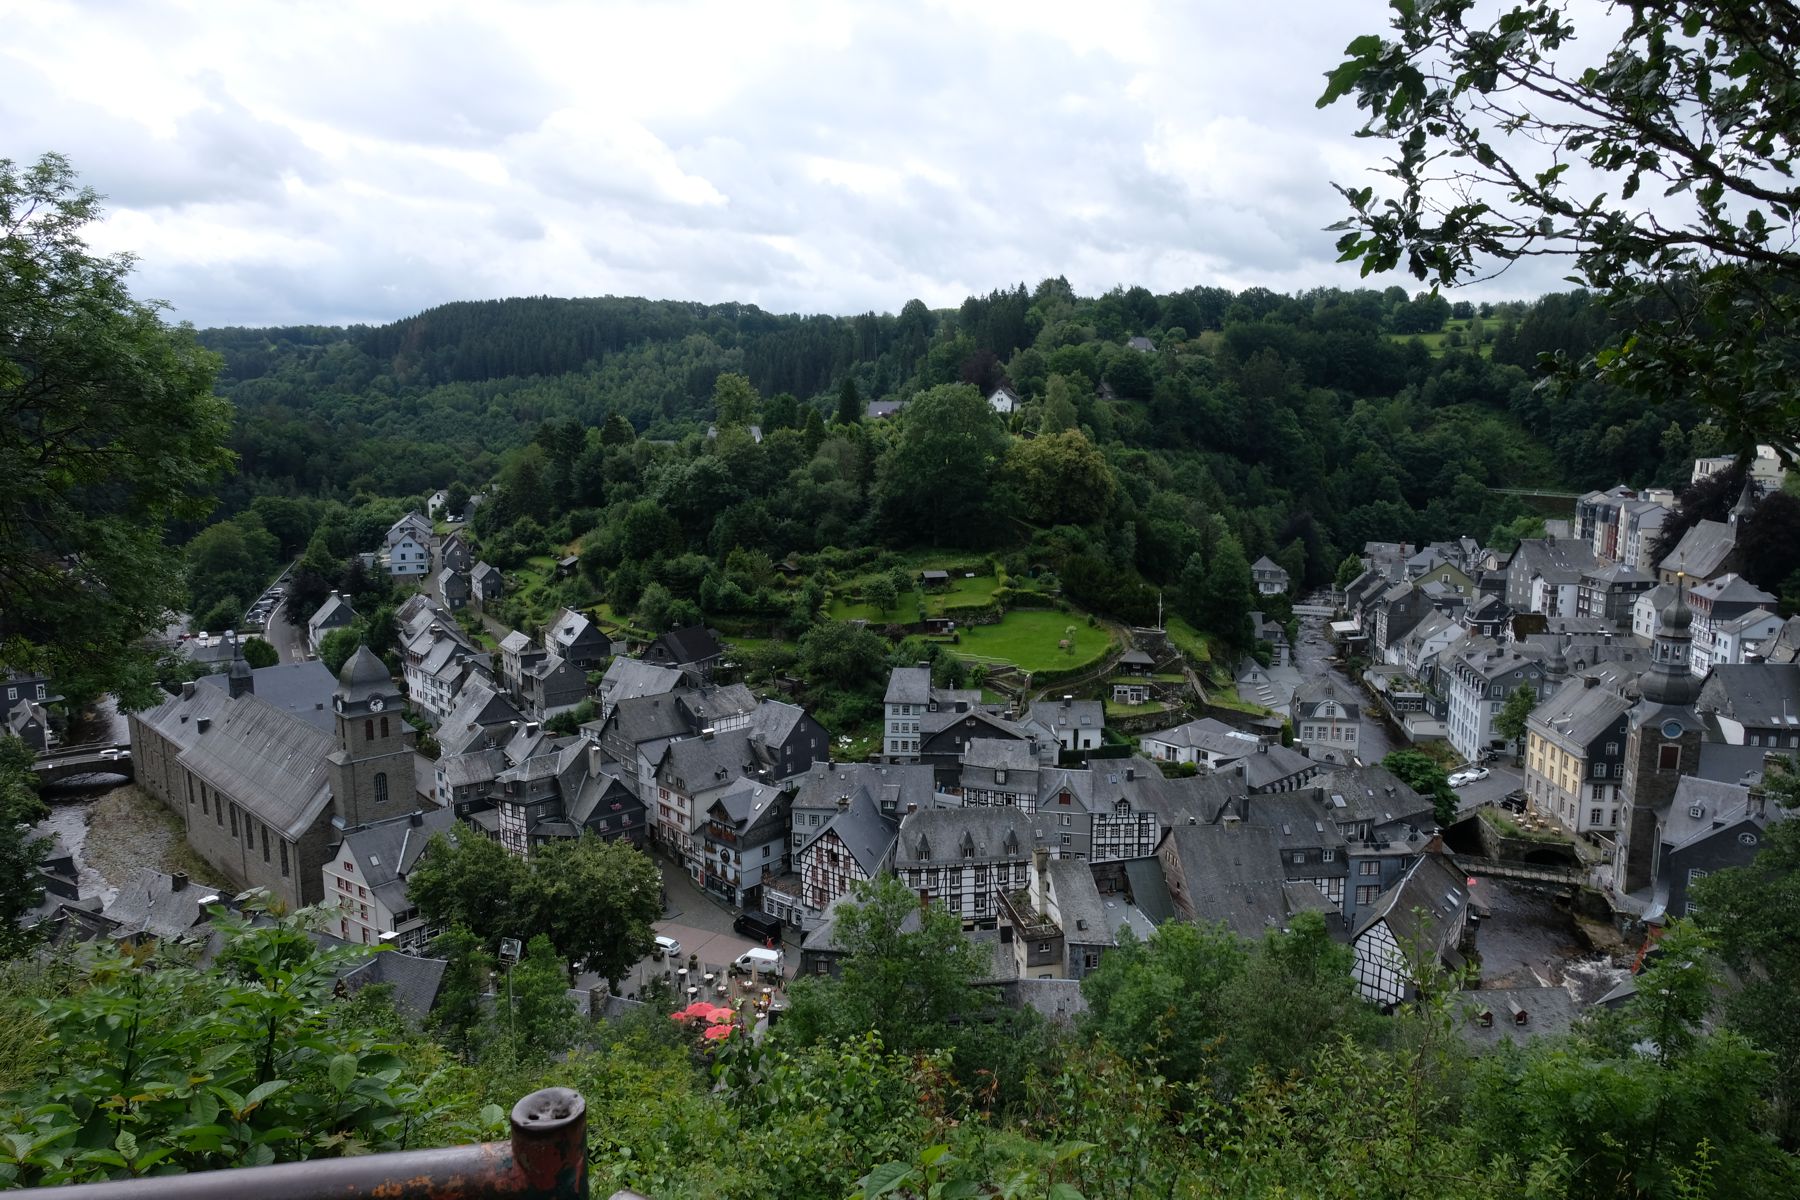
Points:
[[1672, 729]]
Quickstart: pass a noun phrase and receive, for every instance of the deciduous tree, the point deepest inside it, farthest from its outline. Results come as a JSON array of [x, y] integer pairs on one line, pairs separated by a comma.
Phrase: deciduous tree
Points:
[[109, 429]]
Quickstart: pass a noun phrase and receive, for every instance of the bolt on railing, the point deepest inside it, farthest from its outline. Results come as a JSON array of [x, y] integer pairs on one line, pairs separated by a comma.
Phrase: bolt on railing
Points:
[[545, 1159]]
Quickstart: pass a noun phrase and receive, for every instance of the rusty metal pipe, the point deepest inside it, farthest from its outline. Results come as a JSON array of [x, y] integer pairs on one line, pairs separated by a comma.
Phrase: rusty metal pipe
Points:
[[545, 1160]]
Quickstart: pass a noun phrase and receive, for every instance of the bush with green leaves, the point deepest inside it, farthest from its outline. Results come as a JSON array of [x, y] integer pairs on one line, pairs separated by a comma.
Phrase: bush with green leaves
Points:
[[156, 1065]]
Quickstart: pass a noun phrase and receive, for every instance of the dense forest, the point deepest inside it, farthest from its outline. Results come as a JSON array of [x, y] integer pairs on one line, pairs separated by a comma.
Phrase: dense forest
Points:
[[1159, 441]]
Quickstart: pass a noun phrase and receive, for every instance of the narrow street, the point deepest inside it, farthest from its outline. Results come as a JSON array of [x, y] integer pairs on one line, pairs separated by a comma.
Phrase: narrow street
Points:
[[1312, 658]]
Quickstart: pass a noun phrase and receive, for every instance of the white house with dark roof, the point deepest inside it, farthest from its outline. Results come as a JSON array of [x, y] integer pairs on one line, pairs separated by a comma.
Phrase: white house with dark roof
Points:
[[1075, 724], [1425, 913], [1270, 577], [1004, 400], [407, 547], [962, 858], [364, 880], [335, 613], [1716, 602]]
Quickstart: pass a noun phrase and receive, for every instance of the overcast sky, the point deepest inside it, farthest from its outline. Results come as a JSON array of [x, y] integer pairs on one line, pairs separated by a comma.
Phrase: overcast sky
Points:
[[323, 163]]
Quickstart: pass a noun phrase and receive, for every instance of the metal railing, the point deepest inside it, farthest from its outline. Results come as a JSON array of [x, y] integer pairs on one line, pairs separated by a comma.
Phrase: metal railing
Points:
[[545, 1159]]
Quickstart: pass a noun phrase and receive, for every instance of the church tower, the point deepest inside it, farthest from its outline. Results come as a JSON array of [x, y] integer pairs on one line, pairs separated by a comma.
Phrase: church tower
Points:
[[1662, 746], [372, 767]]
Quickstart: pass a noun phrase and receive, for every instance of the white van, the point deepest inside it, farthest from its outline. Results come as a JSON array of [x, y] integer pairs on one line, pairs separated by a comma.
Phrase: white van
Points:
[[759, 961]]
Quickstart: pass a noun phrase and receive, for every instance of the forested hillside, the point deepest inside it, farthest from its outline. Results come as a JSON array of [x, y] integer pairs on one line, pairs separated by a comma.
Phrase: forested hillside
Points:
[[1293, 426]]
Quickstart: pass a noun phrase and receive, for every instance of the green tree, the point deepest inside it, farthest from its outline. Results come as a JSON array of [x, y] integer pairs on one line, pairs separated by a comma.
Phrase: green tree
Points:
[[1347, 571], [1060, 412], [456, 498], [1753, 915], [158, 1065], [21, 853], [1421, 773], [617, 431], [109, 430], [841, 655], [596, 900], [907, 971], [535, 1020], [1162, 1001], [849, 403], [1683, 140], [933, 483], [1061, 478], [880, 592], [259, 653], [458, 1015], [734, 401], [336, 647], [1510, 721], [474, 883]]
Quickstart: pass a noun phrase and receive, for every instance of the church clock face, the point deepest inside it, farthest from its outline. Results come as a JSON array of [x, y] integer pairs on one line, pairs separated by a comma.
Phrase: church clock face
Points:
[[1671, 729], [338, 703], [376, 704]]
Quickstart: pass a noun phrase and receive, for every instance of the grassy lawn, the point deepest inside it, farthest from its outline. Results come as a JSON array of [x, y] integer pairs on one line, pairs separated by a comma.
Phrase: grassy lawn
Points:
[[1438, 343], [1028, 639], [1196, 646], [1115, 709], [1228, 698], [962, 593]]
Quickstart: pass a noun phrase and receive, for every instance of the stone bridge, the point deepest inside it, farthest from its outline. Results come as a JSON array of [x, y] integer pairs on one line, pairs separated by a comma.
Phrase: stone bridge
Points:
[[93, 758]]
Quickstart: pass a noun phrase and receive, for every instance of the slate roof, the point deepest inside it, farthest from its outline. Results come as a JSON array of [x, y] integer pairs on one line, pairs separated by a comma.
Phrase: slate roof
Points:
[[1084, 916], [647, 718], [272, 764], [480, 707], [1728, 589], [464, 770], [1548, 1011], [1578, 713], [1231, 874], [1421, 908], [335, 613], [1762, 695], [1726, 763], [701, 764], [1271, 765], [999, 754], [1209, 734], [386, 851], [1702, 551], [773, 722], [865, 833], [148, 904], [416, 981], [629, 678], [364, 675], [451, 583], [1558, 560], [1738, 624], [1296, 822], [301, 690], [1374, 794], [1150, 888], [480, 572], [908, 685], [1072, 717], [892, 787], [987, 829], [1721, 806], [746, 801], [710, 706], [694, 644]]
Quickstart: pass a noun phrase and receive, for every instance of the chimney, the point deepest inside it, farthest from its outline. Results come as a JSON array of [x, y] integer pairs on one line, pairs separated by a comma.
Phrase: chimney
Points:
[[1040, 867], [1130, 774], [706, 735], [1068, 700], [415, 818], [912, 806], [531, 728], [203, 724], [1588, 681], [187, 690], [843, 803], [178, 881]]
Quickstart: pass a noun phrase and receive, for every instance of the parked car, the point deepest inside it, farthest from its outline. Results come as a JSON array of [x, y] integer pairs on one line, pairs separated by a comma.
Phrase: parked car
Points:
[[1469, 775], [668, 947], [1514, 802], [759, 925]]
